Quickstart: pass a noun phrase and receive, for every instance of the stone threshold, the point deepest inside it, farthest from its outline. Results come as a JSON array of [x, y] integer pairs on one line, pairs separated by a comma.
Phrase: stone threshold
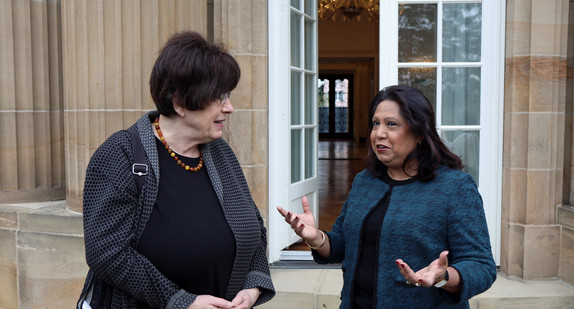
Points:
[[319, 288]]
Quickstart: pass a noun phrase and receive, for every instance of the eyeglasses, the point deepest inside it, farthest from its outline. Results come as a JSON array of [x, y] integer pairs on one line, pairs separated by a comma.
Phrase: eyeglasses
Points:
[[224, 97]]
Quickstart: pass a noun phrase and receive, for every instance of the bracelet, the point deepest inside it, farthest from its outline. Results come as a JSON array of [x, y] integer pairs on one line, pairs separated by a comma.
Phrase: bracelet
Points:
[[323, 241]]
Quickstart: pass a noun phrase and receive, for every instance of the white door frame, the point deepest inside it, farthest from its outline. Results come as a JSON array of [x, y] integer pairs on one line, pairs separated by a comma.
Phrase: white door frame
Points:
[[281, 191]]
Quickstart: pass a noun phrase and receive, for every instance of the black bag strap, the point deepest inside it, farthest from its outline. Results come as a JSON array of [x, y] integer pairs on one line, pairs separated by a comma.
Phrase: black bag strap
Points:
[[139, 168]]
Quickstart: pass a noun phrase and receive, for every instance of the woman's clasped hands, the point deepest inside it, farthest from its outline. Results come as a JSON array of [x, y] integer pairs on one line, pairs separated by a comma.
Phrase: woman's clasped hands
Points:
[[243, 300]]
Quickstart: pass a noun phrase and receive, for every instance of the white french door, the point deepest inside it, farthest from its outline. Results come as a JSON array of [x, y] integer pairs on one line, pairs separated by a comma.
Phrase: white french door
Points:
[[453, 50], [293, 135]]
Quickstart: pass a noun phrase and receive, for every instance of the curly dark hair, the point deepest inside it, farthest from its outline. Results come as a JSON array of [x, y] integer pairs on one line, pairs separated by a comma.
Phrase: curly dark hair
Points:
[[191, 72], [416, 109]]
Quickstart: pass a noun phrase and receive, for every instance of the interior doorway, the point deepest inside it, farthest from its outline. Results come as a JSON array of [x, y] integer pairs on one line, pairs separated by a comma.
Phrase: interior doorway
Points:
[[335, 103]]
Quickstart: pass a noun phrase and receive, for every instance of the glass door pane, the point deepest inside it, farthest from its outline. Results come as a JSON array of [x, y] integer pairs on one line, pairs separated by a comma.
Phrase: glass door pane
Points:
[[462, 35], [417, 32], [303, 92], [439, 52], [460, 96]]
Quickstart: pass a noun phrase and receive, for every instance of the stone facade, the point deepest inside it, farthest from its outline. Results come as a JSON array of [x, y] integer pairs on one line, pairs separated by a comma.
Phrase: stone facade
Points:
[[538, 143], [73, 72]]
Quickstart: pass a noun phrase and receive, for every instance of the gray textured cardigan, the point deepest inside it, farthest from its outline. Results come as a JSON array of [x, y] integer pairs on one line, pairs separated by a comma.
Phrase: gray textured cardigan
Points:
[[115, 218]]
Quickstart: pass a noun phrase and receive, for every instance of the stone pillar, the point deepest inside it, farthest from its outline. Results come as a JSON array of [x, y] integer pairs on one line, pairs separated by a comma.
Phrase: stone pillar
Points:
[[534, 132], [242, 27], [109, 49], [566, 211], [31, 123]]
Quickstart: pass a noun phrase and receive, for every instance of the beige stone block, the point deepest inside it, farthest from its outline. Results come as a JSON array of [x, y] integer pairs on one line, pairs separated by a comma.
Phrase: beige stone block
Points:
[[52, 269], [329, 292], [55, 219], [504, 247], [541, 203], [328, 301], [256, 176], [517, 140], [296, 280], [8, 269], [25, 147], [518, 39], [259, 82], [517, 84], [9, 216], [541, 252], [240, 126], [515, 255], [548, 39], [506, 196], [547, 74], [541, 144], [242, 96], [260, 138], [259, 26], [519, 11], [287, 300], [517, 195], [506, 139], [239, 26], [565, 216], [567, 255], [8, 153]]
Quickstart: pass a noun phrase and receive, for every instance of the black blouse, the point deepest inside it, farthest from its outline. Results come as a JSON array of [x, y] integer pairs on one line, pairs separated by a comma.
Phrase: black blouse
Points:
[[366, 276], [187, 237]]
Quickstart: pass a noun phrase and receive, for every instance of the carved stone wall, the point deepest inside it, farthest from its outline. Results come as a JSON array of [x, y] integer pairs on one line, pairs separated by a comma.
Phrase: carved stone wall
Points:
[[31, 102]]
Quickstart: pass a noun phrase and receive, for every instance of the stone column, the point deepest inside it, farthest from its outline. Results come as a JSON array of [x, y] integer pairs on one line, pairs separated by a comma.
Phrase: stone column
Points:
[[242, 27], [109, 48], [31, 123], [566, 211], [534, 132]]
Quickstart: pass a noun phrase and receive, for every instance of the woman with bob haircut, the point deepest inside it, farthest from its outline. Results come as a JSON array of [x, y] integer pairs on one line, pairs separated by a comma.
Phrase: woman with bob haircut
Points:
[[192, 237], [412, 232]]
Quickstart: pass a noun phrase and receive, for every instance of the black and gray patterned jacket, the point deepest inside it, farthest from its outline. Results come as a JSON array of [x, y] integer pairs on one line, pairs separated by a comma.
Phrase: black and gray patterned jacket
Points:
[[115, 218]]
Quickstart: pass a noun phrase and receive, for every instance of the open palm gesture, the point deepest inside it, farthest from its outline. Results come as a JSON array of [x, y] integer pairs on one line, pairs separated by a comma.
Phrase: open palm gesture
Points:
[[302, 224]]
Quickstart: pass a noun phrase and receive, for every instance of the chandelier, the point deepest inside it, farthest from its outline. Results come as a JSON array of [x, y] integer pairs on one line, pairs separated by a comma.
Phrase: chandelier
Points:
[[344, 10]]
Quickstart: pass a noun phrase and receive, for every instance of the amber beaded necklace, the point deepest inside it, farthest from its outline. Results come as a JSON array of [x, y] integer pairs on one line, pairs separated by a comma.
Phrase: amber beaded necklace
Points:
[[173, 155]]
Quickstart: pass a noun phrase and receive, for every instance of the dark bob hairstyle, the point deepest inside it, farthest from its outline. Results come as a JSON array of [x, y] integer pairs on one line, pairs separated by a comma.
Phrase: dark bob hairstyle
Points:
[[192, 73], [416, 109]]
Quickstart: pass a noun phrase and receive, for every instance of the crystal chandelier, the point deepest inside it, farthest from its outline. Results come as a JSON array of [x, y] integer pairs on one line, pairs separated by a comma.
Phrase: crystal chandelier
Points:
[[344, 10]]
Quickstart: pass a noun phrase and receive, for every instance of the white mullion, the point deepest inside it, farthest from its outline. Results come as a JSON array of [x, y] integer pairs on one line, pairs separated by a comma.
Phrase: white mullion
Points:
[[461, 127], [437, 1], [439, 18], [388, 42], [279, 121], [302, 89]]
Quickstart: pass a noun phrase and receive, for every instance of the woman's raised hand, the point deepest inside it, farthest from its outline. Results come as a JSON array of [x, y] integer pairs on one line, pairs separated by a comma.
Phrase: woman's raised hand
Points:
[[302, 224], [429, 275]]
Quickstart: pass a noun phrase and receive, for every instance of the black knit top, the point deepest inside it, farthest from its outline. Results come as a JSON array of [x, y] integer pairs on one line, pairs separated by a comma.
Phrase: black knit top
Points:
[[187, 237]]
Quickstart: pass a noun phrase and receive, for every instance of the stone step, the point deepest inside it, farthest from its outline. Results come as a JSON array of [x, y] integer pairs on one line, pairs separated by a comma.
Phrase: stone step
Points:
[[320, 289]]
